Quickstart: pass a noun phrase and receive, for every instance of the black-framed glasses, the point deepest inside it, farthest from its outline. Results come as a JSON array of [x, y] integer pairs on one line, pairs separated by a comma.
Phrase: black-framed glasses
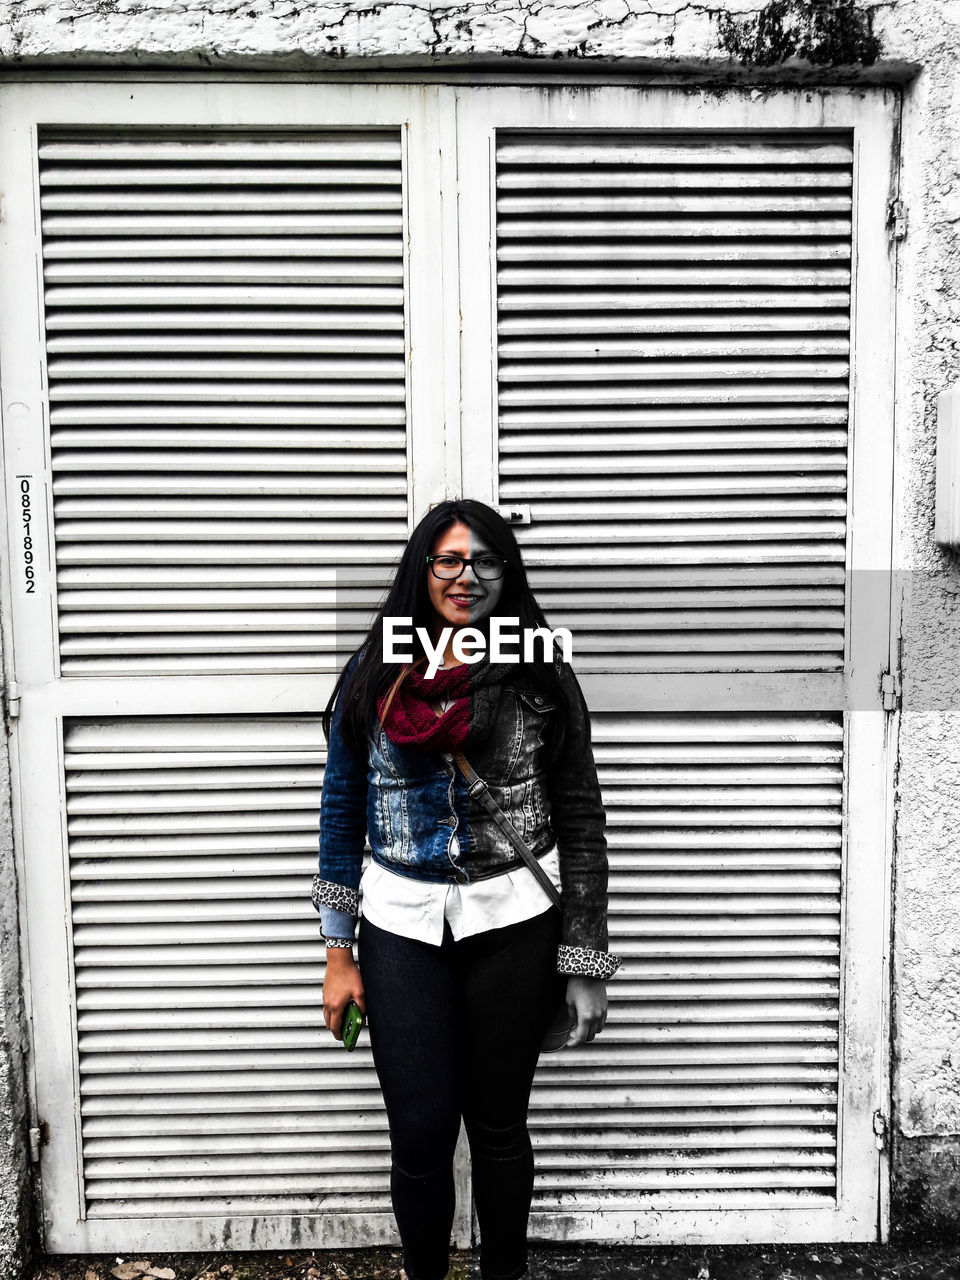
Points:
[[487, 567]]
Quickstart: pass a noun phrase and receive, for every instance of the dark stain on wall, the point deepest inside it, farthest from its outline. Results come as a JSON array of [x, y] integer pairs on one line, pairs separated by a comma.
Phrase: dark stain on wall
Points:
[[925, 1191], [827, 33]]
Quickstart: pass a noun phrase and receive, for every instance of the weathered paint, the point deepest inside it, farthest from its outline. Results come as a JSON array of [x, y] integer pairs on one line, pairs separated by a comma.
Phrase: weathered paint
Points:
[[201, 32], [926, 1188], [837, 34]]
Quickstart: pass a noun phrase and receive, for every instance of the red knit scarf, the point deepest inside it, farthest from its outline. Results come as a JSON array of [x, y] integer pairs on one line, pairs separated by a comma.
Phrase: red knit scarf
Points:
[[410, 722]]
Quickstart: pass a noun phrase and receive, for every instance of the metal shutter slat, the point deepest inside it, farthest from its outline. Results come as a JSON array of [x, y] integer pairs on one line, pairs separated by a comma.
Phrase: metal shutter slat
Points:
[[668, 464], [678, 201], [618, 227], [344, 1188], [241, 1101], [659, 173], [241, 198], [679, 276], [327, 273], [225, 295], [699, 150], [222, 1004], [653, 444], [133, 223], [240, 392], [221, 146], [227, 1167], [743, 249], [649, 369], [251, 880], [210, 344], [302, 1127], [340, 369], [319, 319], [299, 449], [639, 348], [633, 392], [378, 1221], [185, 172], [226, 1023], [744, 298], [319, 414], [112, 921], [637, 422], [734, 320], [168, 250]]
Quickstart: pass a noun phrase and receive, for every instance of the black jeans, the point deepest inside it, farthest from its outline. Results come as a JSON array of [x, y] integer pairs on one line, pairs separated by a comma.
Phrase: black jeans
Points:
[[456, 1030]]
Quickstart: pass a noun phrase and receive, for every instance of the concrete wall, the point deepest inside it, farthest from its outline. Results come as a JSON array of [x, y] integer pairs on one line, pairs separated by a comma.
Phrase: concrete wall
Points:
[[927, 885], [16, 1202], [916, 41], [203, 32]]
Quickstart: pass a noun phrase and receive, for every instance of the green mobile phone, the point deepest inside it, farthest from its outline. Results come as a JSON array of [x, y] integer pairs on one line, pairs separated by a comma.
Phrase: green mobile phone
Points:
[[352, 1022]]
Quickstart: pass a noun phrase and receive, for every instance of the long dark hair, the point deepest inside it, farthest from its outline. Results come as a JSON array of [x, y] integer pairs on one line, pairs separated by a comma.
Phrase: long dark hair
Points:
[[408, 598]]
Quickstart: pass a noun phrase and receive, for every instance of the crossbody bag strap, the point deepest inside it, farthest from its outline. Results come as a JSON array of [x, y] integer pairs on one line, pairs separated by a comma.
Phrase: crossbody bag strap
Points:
[[477, 787]]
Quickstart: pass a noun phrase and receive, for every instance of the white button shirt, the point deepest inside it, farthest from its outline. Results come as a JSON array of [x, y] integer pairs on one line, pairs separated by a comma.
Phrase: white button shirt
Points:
[[418, 908]]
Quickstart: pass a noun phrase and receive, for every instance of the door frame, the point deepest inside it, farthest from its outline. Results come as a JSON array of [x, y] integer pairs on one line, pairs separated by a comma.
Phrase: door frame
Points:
[[458, 406]]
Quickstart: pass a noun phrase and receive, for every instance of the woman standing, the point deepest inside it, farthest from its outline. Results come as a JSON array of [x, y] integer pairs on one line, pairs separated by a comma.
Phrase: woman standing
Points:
[[463, 956]]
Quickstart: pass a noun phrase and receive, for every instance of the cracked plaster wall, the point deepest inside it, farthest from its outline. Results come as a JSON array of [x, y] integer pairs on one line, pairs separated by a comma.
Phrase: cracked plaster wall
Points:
[[226, 30], [658, 35], [926, 977], [16, 1213]]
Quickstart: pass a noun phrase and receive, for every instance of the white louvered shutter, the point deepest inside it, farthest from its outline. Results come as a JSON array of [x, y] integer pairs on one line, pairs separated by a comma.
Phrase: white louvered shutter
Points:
[[715, 1083], [225, 353], [672, 356], [671, 343], [673, 319], [208, 1082], [225, 350], [220, 472]]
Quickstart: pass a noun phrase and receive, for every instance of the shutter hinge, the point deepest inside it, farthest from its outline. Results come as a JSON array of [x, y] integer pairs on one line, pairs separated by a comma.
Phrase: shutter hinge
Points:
[[890, 690], [880, 1130], [39, 1137], [896, 220], [13, 700]]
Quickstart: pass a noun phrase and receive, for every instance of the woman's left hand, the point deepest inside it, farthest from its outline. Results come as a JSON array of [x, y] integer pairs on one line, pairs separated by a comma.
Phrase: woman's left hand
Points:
[[587, 1002]]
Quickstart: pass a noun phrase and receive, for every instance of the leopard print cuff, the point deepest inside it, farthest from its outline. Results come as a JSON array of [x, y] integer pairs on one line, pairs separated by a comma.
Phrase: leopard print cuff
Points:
[[327, 893], [338, 942], [583, 962]]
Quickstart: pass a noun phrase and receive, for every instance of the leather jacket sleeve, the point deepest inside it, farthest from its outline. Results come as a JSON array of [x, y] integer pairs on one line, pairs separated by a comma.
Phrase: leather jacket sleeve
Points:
[[578, 820]]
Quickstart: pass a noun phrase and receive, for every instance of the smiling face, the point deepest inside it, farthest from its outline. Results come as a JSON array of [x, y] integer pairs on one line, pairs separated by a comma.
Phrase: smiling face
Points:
[[468, 600]]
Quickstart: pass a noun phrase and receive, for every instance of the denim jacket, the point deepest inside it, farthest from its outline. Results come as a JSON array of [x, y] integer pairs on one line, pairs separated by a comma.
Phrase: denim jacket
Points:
[[421, 822]]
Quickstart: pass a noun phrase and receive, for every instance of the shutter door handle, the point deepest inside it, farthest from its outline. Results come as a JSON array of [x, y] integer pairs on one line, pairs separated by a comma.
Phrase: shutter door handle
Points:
[[518, 513]]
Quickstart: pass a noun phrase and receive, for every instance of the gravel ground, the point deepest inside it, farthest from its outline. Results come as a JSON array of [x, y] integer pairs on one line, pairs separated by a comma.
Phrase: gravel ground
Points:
[[731, 1262]]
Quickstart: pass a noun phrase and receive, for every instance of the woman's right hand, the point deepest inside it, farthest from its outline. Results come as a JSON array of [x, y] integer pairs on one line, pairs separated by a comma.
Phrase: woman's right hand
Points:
[[341, 984]]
